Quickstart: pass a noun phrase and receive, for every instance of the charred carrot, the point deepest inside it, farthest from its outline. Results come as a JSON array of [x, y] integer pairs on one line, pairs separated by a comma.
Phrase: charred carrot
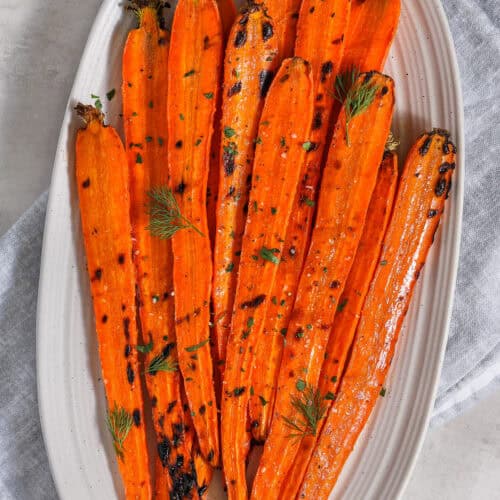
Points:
[[418, 208], [227, 11], [103, 191], [346, 188], [372, 29], [284, 14], [363, 268], [325, 60], [351, 302], [144, 66], [193, 69], [196, 484], [248, 71], [283, 131]]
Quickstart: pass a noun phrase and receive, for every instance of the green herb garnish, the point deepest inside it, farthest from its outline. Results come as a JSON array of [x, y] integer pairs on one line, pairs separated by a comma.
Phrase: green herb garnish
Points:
[[119, 423], [160, 363], [269, 254], [97, 101], [310, 409], [145, 348], [194, 348], [165, 217], [229, 132], [356, 96], [301, 385]]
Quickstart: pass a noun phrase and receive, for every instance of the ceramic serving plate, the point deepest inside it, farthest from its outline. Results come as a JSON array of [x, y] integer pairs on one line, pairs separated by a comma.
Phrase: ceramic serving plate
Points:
[[71, 396]]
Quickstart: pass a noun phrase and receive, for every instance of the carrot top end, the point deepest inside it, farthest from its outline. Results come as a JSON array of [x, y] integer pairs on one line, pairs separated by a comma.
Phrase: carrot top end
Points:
[[89, 113]]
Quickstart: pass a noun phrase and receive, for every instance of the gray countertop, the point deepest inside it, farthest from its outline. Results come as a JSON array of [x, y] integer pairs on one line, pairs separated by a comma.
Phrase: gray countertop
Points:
[[41, 42]]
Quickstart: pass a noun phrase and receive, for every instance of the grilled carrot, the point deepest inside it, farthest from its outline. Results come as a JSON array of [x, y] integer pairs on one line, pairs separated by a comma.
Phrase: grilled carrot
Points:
[[283, 131], [418, 208], [363, 268], [102, 179], [351, 302], [196, 484], [193, 69], [284, 14], [248, 71], [227, 11], [371, 32], [325, 59], [346, 188], [144, 66]]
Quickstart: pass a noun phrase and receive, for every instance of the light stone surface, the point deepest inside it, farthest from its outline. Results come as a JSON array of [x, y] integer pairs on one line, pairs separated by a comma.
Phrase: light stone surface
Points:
[[41, 42]]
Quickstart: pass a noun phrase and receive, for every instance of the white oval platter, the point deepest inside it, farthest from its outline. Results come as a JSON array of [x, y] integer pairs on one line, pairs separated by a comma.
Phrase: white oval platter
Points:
[[71, 397]]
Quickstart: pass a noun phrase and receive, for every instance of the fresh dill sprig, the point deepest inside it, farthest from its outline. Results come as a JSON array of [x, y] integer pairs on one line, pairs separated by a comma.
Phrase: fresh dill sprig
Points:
[[160, 363], [355, 95], [165, 217], [344, 82], [119, 423], [310, 408]]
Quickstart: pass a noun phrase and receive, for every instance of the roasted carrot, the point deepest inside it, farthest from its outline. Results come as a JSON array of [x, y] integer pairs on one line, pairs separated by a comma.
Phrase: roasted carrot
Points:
[[372, 29], [227, 11], [351, 302], [284, 14], [193, 69], [144, 93], [248, 71], [346, 188], [103, 190], [325, 60], [283, 131], [362, 270], [418, 208], [201, 470]]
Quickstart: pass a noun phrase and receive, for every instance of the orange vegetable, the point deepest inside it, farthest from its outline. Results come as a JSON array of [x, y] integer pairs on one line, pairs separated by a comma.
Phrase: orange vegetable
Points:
[[346, 188], [284, 14], [200, 469], [227, 11], [419, 204], [325, 59], [347, 317], [103, 190], [371, 32], [283, 131], [248, 71], [145, 61], [193, 69]]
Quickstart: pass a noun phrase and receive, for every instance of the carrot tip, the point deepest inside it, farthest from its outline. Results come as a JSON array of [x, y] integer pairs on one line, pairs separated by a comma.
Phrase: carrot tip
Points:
[[137, 5], [440, 131], [89, 113], [155, 8]]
